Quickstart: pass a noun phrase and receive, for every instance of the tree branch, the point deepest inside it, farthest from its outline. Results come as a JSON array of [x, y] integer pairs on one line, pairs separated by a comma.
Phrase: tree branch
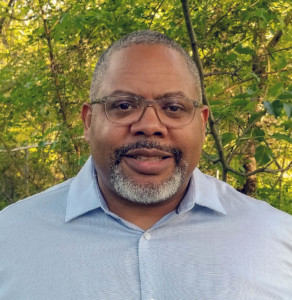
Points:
[[260, 170], [234, 73], [222, 158], [53, 65], [271, 52], [240, 139], [22, 20], [208, 156], [155, 12], [2, 20], [220, 19], [197, 60]]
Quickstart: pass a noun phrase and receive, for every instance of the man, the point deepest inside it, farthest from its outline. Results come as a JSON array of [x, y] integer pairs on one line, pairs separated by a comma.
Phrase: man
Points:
[[140, 221]]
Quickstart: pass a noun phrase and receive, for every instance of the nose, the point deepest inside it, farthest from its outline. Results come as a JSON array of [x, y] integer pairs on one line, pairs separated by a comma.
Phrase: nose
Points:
[[149, 124]]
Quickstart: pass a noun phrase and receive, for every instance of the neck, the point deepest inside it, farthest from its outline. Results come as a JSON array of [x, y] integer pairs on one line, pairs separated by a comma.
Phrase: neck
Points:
[[143, 216]]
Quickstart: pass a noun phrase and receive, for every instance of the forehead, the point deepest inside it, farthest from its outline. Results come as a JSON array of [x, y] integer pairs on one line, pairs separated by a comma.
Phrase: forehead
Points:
[[148, 70]]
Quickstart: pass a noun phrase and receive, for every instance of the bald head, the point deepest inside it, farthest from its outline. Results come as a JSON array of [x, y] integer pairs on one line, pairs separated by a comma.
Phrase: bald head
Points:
[[145, 37]]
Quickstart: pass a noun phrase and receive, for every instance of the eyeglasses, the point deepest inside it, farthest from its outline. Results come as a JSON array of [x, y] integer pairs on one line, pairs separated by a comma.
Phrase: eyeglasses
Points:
[[128, 109]]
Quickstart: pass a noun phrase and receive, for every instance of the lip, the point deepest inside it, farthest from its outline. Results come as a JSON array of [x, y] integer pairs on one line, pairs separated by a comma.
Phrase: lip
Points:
[[148, 161], [148, 153]]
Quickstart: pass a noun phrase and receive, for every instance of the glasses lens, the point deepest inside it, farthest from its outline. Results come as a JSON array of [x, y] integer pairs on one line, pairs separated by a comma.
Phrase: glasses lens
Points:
[[172, 112], [123, 109], [175, 112]]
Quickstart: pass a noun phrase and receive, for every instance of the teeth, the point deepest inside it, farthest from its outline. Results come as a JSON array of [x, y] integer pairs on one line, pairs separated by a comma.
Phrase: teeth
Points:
[[148, 158]]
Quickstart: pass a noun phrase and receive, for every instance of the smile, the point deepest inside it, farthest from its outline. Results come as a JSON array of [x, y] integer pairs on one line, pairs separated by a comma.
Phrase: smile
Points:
[[148, 158], [144, 158], [148, 161], [147, 154]]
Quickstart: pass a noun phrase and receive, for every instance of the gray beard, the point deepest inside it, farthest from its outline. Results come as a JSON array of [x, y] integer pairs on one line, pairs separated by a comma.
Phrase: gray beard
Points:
[[149, 193]]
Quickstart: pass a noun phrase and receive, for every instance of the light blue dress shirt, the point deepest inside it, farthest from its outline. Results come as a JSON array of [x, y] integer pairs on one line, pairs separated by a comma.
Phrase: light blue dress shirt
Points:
[[219, 244]]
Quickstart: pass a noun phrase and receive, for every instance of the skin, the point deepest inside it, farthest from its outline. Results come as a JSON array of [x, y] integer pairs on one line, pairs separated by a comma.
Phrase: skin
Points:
[[151, 72]]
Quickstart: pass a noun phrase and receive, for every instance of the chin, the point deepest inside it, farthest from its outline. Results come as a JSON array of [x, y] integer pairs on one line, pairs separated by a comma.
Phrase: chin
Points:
[[149, 192]]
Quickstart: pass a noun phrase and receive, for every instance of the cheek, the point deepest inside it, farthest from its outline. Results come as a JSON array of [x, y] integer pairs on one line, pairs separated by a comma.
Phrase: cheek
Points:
[[105, 138], [191, 145]]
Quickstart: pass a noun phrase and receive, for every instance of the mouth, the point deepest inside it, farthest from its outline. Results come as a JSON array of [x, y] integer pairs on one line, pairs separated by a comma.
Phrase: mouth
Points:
[[148, 154], [147, 158], [148, 161]]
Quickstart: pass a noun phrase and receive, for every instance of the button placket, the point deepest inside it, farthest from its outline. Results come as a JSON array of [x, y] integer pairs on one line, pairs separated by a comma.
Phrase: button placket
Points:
[[147, 235]]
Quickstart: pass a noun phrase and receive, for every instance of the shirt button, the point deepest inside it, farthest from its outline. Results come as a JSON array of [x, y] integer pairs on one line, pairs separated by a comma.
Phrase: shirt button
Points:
[[147, 236]]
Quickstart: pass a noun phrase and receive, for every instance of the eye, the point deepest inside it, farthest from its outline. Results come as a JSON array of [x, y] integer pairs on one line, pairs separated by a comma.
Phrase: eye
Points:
[[172, 106], [122, 104]]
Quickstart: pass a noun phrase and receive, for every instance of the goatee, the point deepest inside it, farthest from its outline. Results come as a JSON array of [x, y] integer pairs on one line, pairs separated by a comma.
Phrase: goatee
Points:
[[149, 193]]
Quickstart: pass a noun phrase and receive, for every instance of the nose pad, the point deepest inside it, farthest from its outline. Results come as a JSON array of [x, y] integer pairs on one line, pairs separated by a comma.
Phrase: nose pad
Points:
[[145, 109], [148, 124]]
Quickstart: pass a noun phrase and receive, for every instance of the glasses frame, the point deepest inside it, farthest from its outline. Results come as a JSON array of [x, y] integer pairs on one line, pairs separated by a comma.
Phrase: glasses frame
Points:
[[146, 103]]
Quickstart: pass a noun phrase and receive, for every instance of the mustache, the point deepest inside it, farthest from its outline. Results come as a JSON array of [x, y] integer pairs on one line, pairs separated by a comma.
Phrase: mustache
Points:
[[120, 152]]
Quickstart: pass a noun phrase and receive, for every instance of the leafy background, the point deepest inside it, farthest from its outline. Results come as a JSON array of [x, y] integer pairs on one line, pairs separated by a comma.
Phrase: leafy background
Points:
[[48, 52]]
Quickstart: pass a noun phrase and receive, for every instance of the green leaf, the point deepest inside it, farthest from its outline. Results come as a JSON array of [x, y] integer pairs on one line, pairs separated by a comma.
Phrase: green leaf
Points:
[[277, 107], [82, 160], [255, 117], [275, 89], [261, 13], [227, 137], [251, 106], [251, 90], [258, 134], [240, 102], [241, 96], [231, 57], [287, 95], [282, 62], [288, 109], [287, 125], [244, 50], [263, 155], [268, 107], [255, 76], [279, 137], [274, 108], [42, 144]]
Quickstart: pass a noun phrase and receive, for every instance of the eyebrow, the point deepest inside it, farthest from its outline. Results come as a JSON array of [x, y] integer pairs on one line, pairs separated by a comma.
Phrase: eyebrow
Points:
[[176, 94], [122, 93]]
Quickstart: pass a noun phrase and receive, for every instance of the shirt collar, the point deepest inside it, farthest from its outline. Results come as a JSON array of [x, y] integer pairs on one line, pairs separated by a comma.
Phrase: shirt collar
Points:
[[84, 194], [202, 191]]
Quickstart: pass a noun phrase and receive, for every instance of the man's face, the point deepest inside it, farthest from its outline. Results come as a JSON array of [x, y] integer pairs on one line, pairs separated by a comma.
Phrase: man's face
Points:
[[145, 162]]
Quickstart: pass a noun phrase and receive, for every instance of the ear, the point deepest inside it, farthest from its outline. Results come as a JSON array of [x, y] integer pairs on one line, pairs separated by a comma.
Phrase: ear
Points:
[[204, 115], [86, 115]]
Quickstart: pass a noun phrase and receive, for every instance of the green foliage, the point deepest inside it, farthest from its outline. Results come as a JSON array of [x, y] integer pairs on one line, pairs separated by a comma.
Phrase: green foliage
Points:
[[48, 52], [263, 155]]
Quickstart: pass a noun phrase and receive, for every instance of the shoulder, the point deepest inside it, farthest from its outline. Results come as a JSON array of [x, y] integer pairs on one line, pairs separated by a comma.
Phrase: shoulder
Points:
[[240, 206], [51, 201]]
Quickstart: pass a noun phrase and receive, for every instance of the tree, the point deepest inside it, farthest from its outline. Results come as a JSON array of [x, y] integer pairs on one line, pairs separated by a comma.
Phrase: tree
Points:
[[48, 52]]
